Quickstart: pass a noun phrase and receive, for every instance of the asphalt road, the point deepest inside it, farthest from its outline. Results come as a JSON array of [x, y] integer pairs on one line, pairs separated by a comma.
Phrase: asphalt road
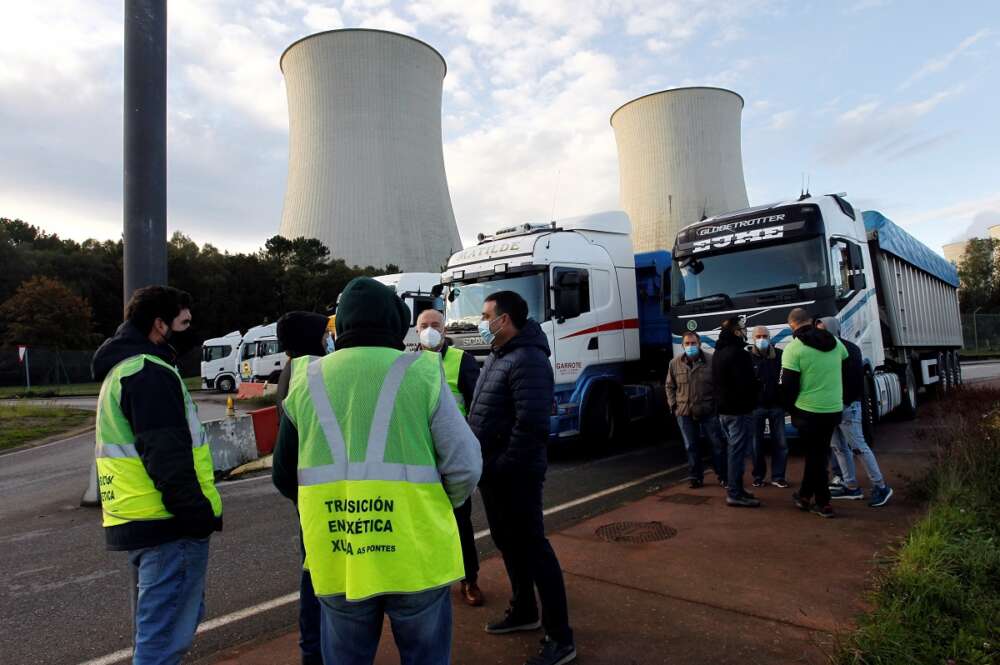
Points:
[[64, 599]]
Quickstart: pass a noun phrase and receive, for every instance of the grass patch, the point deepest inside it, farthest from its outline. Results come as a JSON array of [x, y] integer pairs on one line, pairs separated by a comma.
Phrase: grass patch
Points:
[[939, 603], [72, 389], [259, 402], [24, 423]]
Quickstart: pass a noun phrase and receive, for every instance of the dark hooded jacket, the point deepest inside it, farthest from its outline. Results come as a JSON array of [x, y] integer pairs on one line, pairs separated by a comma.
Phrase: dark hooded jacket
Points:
[[768, 368], [854, 373], [153, 404], [791, 381], [733, 376], [510, 411]]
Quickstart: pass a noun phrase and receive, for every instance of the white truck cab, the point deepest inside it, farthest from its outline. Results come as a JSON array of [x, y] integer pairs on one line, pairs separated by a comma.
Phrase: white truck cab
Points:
[[415, 290], [261, 357], [219, 365]]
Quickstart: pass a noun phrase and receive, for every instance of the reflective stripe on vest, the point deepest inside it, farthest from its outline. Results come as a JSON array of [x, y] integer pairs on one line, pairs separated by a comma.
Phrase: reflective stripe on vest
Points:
[[127, 492], [452, 367], [372, 526]]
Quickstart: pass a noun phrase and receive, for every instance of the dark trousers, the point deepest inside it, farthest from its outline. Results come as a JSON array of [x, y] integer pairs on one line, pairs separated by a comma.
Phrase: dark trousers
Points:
[[470, 556], [514, 512], [815, 431], [310, 619]]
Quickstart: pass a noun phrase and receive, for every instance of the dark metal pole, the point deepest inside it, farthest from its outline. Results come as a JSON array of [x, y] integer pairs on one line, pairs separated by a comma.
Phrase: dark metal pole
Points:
[[145, 212]]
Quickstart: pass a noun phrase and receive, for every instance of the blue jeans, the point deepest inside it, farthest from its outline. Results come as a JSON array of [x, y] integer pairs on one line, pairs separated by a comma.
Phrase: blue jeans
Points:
[[692, 431], [168, 599], [848, 440], [421, 624], [739, 433], [775, 418]]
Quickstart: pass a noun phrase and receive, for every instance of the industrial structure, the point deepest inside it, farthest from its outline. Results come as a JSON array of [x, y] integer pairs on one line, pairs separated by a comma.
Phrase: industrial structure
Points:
[[365, 163], [955, 251], [679, 160]]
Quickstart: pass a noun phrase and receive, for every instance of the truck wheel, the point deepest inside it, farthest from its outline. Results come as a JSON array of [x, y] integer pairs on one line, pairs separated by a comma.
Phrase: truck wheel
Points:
[[956, 368], [602, 418], [944, 374], [908, 406], [225, 384], [869, 411]]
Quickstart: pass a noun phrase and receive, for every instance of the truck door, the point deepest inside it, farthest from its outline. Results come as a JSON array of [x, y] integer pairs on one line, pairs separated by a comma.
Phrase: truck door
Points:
[[576, 335], [607, 317]]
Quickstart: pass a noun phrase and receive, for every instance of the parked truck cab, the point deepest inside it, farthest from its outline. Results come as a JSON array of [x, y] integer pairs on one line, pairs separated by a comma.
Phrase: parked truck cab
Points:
[[219, 366], [415, 289]]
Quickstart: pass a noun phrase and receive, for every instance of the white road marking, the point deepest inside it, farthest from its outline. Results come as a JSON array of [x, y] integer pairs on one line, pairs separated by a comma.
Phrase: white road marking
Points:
[[253, 610]]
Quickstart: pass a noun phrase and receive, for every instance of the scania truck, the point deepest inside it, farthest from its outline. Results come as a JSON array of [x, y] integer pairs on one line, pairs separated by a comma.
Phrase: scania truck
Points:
[[894, 297], [219, 362], [602, 308]]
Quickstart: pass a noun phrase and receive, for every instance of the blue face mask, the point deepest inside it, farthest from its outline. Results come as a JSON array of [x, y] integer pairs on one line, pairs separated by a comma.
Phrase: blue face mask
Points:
[[762, 344], [486, 333], [329, 344], [691, 351]]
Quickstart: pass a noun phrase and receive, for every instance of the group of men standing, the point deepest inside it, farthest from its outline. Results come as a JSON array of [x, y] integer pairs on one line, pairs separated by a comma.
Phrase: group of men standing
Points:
[[737, 398], [380, 451]]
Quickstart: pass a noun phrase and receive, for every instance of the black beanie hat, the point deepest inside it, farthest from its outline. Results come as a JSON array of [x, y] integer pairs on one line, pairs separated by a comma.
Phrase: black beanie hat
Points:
[[301, 333], [370, 313]]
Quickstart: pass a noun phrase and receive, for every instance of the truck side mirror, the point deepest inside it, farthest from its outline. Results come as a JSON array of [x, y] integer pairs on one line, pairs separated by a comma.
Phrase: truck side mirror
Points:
[[436, 290], [856, 257], [858, 281]]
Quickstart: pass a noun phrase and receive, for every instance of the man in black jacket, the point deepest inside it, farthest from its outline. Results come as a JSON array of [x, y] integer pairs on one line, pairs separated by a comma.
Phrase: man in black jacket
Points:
[[767, 363], [509, 415], [736, 396], [168, 556]]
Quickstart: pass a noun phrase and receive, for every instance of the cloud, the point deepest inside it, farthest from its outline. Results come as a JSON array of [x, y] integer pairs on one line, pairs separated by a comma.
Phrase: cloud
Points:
[[866, 5], [320, 18], [939, 64], [974, 216], [782, 119]]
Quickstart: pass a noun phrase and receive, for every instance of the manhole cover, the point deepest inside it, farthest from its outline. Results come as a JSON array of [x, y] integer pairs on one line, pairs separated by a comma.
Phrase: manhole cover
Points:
[[686, 499], [635, 532]]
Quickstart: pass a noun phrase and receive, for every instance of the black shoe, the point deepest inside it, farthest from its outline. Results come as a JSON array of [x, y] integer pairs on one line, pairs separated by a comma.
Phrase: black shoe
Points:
[[747, 495], [511, 624], [723, 484], [553, 653], [695, 483], [742, 502], [780, 483], [758, 482], [823, 511], [800, 503]]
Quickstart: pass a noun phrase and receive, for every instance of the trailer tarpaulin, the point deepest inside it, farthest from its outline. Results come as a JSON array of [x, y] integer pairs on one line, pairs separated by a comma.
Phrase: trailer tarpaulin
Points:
[[894, 240]]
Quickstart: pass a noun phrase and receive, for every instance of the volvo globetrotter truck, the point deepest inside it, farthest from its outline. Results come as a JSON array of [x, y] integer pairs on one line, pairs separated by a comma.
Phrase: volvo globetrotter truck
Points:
[[894, 297], [601, 307], [415, 290], [219, 362]]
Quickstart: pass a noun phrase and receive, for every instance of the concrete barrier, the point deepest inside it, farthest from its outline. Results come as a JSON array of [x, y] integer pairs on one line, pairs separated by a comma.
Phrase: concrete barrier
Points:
[[232, 440]]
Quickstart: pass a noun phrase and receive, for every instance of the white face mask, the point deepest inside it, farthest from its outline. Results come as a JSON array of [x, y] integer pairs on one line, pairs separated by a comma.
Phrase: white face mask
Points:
[[430, 339]]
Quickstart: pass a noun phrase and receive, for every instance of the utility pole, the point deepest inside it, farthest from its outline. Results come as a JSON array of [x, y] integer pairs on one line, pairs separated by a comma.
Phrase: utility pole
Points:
[[145, 181], [975, 328]]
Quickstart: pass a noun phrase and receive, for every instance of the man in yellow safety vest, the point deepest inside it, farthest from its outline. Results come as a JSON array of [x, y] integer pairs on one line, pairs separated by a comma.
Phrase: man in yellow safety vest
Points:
[[461, 371], [376, 453], [155, 476]]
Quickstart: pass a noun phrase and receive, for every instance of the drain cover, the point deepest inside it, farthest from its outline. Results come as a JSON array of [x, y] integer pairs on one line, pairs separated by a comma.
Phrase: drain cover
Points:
[[686, 499], [635, 532]]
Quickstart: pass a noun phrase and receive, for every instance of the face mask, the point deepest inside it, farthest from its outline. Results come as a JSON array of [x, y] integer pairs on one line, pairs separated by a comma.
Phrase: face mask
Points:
[[430, 339], [486, 332], [691, 351], [330, 347], [181, 341], [762, 344]]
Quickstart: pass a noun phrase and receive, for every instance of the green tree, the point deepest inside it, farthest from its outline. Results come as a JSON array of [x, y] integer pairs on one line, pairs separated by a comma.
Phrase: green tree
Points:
[[44, 312], [978, 275]]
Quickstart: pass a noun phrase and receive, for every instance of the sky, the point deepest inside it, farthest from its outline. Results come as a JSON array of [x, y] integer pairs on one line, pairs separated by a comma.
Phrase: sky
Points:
[[895, 102]]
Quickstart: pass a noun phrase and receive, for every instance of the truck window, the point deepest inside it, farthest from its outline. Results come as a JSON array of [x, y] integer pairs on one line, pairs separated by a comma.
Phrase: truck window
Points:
[[571, 288], [210, 353], [419, 306], [846, 266], [268, 348]]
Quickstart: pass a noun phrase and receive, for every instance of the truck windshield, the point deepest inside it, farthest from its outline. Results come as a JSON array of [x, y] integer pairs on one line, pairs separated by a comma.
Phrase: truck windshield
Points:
[[753, 270], [464, 306], [210, 353]]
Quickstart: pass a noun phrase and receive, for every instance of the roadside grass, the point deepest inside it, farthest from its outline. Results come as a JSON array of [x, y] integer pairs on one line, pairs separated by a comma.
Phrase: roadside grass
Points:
[[939, 601], [72, 389], [24, 423], [259, 402]]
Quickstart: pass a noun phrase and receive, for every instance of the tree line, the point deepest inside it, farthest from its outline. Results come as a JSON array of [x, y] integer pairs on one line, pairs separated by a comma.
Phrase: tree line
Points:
[[63, 294], [979, 276]]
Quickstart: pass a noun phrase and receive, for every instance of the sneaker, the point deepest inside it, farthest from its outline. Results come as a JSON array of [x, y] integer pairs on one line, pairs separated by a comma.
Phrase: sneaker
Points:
[[553, 653], [835, 483], [800, 503], [823, 511], [695, 483], [723, 484], [747, 495], [842, 492], [512, 624], [742, 502], [880, 496], [758, 482], [780, 483]]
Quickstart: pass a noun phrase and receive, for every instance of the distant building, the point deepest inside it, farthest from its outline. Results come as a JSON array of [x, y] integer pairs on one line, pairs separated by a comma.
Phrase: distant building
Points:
[[955, 251], [365, 163], [679, 160]]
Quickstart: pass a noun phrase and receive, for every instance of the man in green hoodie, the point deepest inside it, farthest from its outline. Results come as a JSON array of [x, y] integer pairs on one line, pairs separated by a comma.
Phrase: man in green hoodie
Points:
[[812, 367]]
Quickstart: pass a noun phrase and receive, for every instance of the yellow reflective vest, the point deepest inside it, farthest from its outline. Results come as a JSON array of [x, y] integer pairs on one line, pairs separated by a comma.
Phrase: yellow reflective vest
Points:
[[452, 359], [127, 492], [375, 516]]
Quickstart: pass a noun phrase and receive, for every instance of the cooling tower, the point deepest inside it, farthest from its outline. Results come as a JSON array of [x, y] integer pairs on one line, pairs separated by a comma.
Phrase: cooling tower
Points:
[[679, 160], [365, 166]]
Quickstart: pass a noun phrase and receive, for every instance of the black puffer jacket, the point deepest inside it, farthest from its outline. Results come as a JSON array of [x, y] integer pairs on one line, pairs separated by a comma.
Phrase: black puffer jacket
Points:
[[768, 368], [854, 373], [153, 404], [511, 408], [733, 376]]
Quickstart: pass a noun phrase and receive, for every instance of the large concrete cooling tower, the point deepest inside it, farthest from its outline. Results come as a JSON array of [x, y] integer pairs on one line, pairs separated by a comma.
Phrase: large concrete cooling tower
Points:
[[365, 168], [679, 160]]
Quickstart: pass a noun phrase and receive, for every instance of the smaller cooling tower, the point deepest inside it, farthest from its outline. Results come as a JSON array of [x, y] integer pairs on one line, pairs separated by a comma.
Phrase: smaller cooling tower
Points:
[[679, 160]]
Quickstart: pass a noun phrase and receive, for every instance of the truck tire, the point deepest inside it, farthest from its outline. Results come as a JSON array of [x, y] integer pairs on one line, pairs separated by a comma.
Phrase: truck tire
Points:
[[225, 384], [908, 403], [869, 410], [944, 374], [602, 419], [956, 368]]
